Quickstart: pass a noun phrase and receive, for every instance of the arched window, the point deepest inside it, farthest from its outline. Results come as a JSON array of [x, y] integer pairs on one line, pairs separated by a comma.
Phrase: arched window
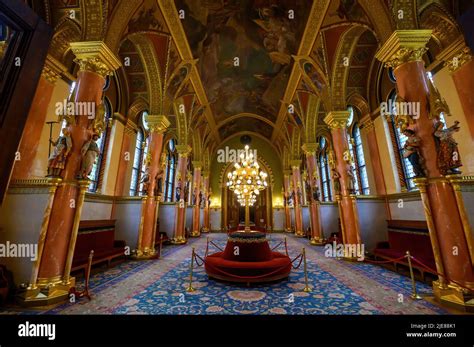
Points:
[[359, 162], [325, 175], [140, 145], [170, 170], [405, 169], [96, 174]]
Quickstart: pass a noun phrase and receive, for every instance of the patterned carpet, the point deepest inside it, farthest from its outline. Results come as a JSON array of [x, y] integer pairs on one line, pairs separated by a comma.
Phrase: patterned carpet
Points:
[[338, 287]]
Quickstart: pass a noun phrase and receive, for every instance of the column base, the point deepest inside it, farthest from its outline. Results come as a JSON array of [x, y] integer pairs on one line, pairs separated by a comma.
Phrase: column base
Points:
[[180, 240], [195, 234], [205, 230], [299, 234], [453, 296], [351, 259], [146, 254], [45, 294], [316, 242], [288, 230]]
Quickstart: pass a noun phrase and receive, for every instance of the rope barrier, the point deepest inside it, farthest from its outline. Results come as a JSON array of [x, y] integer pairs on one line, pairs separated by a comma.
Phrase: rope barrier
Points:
[[281, 242], [300, 256], [434, 272], [384, 261], [219, 248]]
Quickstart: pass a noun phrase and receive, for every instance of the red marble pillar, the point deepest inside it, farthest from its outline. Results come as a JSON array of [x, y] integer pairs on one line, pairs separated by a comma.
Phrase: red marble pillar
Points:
[[449, 237], [205, 196], [286, 184], [180, 221], [337, 121], [197, 204], [317, 237], [461, 66], [150, 203], [51, 279], [374, 156], [125, 157], [36, 119], [298, 200]]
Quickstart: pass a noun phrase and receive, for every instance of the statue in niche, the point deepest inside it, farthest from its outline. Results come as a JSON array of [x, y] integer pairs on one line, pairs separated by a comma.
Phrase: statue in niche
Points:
[[299, 196], [90, 151], [178, 190], [336, 181], [449, 160], [351, 181], [411, 151], [62, 148], [158, 183], [201, 200], [316, 194], [145, 181]]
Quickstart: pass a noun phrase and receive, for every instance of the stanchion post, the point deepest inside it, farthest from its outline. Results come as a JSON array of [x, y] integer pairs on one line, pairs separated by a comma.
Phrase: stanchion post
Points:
[[190, 287], [306, 289], [414, 294], [161, 245]]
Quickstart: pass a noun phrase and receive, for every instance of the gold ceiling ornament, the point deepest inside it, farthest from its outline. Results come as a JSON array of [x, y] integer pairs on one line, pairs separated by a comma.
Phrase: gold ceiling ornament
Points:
[[183, 150], [157, 123], [310, 148], [404, 46], [96, 57], [3, 44], [456, 55], [52, 69], [337, 119], [310, 34]]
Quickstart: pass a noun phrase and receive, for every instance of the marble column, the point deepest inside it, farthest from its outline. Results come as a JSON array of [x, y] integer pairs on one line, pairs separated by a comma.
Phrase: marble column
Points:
[[36, 119], [205, 195], [150, 202], [374, 155], [459, 59], [287, 189], [450, 240], [125, 160], [298, 200], [310, 150], [181, 177], [51, 281], [337, 122], [197, 204]]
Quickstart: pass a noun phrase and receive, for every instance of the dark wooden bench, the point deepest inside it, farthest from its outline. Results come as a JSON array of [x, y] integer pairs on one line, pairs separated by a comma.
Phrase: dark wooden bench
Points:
[[97, 235], [407, 235]]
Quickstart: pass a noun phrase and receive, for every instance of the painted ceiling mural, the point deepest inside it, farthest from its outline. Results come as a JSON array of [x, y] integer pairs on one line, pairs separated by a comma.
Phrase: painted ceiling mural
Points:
[[257, 32]]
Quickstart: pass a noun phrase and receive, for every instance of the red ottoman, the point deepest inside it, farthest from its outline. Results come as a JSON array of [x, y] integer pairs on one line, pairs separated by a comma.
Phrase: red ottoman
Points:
[[247, 257]]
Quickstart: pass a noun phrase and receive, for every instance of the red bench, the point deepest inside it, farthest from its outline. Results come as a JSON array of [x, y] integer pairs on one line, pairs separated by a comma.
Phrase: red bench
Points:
[[97, 235], [406, 235]]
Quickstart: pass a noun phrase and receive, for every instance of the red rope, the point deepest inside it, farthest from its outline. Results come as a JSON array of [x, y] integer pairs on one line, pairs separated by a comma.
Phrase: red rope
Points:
[[277, 246], [426, 267], [196, 256], [245, 277], [212, 243], [384, 261], [299, 264]]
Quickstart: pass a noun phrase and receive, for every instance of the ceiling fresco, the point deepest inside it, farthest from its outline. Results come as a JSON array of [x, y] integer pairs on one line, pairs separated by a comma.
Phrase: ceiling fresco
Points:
[[257, 32]]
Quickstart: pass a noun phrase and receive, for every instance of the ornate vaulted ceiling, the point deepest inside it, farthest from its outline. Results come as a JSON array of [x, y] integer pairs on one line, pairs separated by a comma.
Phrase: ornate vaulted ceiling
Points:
[[246, 63]]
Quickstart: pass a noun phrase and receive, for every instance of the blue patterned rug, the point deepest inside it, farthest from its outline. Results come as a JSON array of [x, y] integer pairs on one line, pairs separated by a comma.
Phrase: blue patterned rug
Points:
[[338, 287]]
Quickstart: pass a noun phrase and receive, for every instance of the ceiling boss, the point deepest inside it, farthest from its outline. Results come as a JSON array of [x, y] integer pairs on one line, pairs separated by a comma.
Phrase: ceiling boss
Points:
[[246, 181]]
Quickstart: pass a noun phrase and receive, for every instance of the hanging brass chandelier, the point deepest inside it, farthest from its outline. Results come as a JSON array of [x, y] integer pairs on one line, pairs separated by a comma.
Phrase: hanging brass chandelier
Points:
[[246, 181]]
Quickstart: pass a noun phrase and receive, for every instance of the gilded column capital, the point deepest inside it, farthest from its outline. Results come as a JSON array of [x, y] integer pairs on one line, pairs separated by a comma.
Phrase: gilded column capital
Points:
[[205, 173], [404, 46], [157, 123], [183, 150], [286, 173], [367, 124], [337, 119], [52, 69], [295, 164], [310, 148], [456, 55], [95, 56], [197, 164]]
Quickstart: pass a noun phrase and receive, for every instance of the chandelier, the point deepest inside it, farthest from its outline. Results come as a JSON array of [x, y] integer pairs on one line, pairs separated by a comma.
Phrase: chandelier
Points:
[[246, 181]]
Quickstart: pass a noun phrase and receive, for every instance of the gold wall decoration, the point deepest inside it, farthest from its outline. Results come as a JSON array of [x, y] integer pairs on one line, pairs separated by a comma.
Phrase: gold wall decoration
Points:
[[337, 119], [157, 123]]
